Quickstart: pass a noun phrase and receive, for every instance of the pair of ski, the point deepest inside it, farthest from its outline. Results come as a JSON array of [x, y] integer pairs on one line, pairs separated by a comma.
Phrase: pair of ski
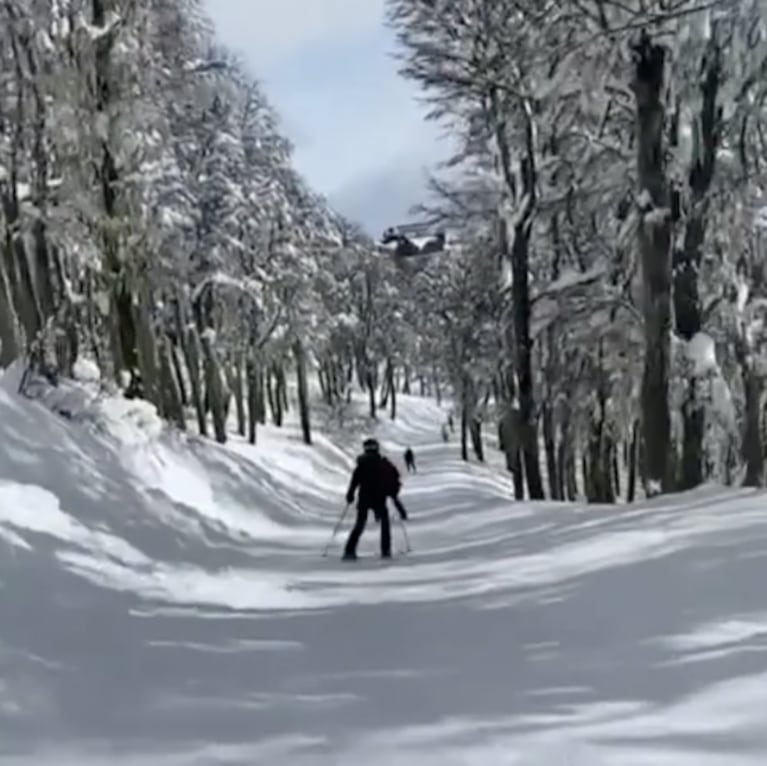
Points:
[[373, 558], [408, 548]]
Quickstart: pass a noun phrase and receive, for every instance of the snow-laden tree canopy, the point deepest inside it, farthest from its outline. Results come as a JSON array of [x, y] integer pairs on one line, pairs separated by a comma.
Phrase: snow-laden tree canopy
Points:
[[605, 208]]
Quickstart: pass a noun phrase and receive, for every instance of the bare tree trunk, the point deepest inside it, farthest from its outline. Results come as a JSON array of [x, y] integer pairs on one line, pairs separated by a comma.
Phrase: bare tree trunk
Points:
[[322, 377], [124, 330], [190, 346], [370, 384], [549, 441], [179, 376], [217, 394], [172, 407], [19, 272], [475, 432], [350, 376], [263, 377], [528, 427], [338, 380], [9, 339], [524, 191], [393, 391], [593, 464], [567, 463], [562, 451], [753, 449], [271, 388], [28, 308], [274, 395], [508, 441], [282, 388], [40, 151], [588, 479], [633, 460], [91, 321], [255, 395], [147, 356], [385, 388], [599, 449], [437, 388], [654, 250], [693, 427], [571, 479], [464, 433], [235, 380], [687, 304], [303, 392]]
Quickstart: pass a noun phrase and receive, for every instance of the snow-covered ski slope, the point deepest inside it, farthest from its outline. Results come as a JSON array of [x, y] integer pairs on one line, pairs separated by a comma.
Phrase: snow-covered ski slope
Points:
[[163, 601]]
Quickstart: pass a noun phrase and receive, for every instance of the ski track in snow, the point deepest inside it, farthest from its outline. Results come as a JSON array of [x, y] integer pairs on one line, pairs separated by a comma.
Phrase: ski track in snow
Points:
[[165, 602]]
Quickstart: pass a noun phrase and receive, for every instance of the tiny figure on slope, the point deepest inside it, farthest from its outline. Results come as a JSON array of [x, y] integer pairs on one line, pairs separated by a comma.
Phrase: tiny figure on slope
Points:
[[410, 460], [445, 435], [374, 479]]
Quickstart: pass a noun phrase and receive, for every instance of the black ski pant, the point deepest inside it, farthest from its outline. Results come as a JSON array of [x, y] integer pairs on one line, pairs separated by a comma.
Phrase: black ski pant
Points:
[[382, 515], [411, 466]]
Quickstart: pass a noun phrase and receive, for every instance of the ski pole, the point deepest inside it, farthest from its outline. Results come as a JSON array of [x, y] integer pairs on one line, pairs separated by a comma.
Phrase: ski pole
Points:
[[335, 530], [404, 532]]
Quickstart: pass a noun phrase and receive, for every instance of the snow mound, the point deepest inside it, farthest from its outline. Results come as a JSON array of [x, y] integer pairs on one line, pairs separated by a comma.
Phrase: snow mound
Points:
[[163, 600], [701, 351]]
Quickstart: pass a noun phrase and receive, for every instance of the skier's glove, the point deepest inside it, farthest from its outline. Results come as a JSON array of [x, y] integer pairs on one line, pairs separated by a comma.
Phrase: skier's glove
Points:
[[349, 497], [403, 515]]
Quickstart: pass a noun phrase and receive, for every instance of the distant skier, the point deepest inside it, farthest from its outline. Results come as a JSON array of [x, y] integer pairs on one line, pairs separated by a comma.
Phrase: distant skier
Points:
[[374, 479], [445, 435], [410, 460]]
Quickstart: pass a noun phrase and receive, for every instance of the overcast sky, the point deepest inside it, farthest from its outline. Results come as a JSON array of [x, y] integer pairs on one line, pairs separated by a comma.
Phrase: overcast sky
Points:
[[358, 129]]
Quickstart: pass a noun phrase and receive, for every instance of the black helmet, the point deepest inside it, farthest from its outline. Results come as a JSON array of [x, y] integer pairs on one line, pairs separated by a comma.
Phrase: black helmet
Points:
[[370, 445]]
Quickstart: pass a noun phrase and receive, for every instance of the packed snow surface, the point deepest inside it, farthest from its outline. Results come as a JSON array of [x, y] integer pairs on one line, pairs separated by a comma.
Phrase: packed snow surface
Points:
[[163, 601]]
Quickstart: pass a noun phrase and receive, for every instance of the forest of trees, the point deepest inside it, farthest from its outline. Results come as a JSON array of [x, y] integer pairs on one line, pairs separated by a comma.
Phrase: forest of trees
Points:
[[612, 168], [603, 308]]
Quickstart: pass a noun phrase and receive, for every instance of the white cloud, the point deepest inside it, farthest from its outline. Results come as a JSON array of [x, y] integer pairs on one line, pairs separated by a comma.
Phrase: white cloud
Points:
[[271, 30], [359, 135], [356, 133], [383, 197]]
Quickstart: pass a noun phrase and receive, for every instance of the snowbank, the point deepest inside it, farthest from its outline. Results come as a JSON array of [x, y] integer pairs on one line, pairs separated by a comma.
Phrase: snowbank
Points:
[[164, 601]]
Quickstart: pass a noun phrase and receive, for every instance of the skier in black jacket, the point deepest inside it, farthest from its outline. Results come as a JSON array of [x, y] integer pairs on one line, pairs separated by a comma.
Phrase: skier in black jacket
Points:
[[373, 480]]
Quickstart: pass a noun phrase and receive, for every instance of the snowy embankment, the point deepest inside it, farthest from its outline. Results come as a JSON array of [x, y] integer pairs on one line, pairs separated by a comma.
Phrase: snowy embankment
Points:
[[163, 601]]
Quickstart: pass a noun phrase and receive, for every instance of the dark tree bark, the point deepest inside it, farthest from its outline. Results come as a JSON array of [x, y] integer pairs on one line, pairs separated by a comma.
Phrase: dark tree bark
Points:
[[752, 447], [508, 441], [464, 433], [121, 294], [549, 442], [654, 250], [633, 455], [392, 390], [303, 391], [475, 432], [687, 304], [517, 252]]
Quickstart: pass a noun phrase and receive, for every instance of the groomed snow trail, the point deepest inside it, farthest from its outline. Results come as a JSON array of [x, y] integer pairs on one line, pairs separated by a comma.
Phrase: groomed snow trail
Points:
[[164, 602]]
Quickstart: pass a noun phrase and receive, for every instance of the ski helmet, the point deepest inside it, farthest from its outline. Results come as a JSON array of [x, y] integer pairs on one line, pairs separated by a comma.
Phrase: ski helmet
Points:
[[370, 445]]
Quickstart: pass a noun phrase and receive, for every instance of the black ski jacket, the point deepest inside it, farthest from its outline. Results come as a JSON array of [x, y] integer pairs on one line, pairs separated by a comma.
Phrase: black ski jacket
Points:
[[369, 478]]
